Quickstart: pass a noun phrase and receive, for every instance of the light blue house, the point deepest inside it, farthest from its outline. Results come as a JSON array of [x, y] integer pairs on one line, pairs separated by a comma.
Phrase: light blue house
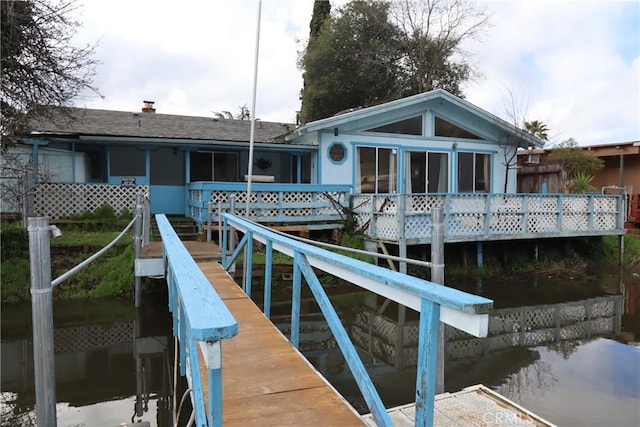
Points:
[[386, 165], [433, 142]]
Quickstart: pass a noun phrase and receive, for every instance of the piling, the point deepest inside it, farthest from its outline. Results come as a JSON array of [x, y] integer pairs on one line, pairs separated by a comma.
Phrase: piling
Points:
[[42, 314]]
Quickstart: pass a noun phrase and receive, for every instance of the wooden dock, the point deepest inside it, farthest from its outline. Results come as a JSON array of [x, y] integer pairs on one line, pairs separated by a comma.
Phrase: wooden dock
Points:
[[200, 251], [266, 381]]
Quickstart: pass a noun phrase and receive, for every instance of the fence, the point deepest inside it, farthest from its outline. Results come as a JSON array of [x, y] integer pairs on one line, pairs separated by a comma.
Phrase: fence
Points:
[[473, 217], [56, 200]]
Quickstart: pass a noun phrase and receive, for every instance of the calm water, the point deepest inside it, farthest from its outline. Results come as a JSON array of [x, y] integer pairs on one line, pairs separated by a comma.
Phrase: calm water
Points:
[[114, 363]]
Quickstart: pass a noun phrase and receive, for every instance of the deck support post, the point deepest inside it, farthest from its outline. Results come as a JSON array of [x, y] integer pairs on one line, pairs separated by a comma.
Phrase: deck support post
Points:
[[402, 310], [437, 276], [42, 314], [621, 250], [209, 212], [479, 254]]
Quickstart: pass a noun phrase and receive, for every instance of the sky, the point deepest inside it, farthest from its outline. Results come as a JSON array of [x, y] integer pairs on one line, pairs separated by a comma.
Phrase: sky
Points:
[[574, 65]]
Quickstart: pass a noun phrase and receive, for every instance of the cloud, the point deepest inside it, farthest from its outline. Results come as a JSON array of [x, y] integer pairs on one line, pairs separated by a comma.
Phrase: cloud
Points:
[[573, 64]]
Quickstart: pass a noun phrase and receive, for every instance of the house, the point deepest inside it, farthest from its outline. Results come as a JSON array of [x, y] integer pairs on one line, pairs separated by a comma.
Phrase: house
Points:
[[433, 142], [388, 165], [160, 152]]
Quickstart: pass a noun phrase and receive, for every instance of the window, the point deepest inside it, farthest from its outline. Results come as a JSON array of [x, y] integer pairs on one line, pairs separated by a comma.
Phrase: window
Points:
[[376, 170], [474, 173], [427, 172], [449, 130], [214, 167], [412, 126]]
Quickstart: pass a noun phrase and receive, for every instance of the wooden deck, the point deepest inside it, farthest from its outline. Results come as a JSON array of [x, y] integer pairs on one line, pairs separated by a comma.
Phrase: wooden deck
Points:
[[266, 381]]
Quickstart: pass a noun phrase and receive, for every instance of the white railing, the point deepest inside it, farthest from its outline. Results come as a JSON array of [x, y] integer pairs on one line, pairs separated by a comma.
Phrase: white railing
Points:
[[473, 217], [270, 203]]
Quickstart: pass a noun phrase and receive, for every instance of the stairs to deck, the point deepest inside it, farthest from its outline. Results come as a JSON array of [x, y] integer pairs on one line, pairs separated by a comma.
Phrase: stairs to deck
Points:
[[185, 228]]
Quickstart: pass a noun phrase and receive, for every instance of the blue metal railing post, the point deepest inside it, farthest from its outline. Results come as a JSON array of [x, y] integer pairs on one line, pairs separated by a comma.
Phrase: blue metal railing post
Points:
[[427, 362], [267, 278], [295, 302], [247, 263]]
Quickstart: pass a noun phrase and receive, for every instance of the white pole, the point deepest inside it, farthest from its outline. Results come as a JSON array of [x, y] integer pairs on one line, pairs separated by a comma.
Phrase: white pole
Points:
[[253, 115]]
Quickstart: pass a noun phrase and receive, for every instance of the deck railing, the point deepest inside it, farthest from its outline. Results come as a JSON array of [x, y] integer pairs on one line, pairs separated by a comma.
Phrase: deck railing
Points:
[[270, 203], [434, 302], [472, 217], [199, 318]]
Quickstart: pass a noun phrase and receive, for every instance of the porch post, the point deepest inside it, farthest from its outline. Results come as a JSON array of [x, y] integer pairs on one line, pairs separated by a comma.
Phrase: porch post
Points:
[[402, 252]]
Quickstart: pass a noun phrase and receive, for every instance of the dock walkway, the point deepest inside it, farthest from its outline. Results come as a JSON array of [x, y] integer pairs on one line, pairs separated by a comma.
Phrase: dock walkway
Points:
[[267, 381]]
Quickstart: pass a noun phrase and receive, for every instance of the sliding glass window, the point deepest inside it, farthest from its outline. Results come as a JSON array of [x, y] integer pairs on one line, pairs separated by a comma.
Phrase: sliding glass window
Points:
[[427, 172], [474, 173], [376, 170]]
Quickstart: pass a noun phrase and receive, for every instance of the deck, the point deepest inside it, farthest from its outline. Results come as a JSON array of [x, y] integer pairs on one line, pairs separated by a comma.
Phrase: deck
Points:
[[266, 380]]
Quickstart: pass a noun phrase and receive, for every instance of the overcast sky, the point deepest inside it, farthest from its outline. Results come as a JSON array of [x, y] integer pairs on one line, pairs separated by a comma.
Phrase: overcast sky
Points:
[[575, 65]]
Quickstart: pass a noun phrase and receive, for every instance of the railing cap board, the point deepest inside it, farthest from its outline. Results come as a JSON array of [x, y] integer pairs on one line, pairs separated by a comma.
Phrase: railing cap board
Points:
[[207, 315], [443, 295]]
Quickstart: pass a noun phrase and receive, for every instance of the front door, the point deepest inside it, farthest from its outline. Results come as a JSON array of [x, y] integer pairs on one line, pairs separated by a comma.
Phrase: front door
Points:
[[167, 183]]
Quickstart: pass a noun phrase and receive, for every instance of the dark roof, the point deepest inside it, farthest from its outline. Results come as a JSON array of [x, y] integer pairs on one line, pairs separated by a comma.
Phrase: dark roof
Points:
[[91, 122]]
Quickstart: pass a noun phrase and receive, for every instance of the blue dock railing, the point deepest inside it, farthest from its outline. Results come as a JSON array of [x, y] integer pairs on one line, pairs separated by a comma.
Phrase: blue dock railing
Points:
[[435, 303], [200, 318]]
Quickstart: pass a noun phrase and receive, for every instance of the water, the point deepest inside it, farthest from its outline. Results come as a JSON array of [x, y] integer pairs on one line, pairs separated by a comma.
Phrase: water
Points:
[[114, 363]]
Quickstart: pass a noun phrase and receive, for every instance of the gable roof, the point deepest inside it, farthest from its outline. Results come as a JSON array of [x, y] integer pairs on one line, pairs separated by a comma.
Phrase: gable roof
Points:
[[107, 123], [351, 116]]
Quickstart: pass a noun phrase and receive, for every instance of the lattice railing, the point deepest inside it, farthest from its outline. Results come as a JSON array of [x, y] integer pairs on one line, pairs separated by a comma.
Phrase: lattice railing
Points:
[[470, 217], [57, 200], [270, 203]]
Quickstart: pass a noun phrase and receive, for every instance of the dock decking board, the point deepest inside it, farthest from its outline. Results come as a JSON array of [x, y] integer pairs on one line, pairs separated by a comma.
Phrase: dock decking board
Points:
[[200, 251], [266, 381]]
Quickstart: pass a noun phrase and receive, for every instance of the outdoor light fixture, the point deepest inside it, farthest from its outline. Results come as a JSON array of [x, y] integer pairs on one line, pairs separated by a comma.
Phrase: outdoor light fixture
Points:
[[335, 132]]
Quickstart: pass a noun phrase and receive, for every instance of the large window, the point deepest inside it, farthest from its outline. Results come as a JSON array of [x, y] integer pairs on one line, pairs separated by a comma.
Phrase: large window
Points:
[[427, 172], [474, 173], [167, 167], [222, 167], [376, 170], [411, 126]]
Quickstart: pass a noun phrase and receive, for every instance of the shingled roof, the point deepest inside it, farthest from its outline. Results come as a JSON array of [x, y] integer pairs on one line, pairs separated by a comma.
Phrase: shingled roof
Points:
[[92, 122]]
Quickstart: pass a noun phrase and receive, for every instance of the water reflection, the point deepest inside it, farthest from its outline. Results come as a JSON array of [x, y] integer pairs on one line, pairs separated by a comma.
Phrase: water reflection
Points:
[[112, 364], [556, 358]]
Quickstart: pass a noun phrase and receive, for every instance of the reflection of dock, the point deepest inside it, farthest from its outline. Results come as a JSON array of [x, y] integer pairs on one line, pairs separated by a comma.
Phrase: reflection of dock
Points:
[[509, 327]]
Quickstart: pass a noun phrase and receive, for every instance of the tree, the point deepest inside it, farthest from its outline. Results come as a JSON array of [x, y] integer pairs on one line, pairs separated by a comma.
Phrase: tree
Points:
[[579, 167], [372, 52], [352, 62], [243, 114], [537, 129], [431, 37], [40, 67]]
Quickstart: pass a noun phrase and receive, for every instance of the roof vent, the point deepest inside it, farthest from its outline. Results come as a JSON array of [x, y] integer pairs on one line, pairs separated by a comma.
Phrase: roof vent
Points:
[[147, 107]]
